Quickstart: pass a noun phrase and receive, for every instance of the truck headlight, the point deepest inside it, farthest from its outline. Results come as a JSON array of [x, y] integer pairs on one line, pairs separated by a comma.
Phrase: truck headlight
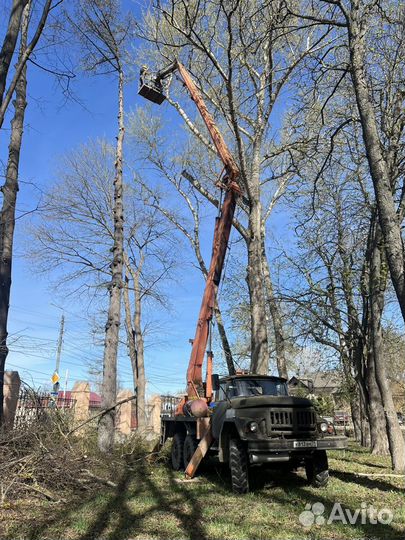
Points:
[[253, 427], [323, 426]]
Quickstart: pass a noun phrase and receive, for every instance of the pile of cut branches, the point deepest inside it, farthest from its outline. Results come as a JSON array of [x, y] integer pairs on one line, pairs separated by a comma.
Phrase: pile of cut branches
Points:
[[45, 459]]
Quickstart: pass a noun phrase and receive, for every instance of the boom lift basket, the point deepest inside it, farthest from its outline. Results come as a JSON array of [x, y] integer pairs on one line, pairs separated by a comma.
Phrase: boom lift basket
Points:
[[151, 89]]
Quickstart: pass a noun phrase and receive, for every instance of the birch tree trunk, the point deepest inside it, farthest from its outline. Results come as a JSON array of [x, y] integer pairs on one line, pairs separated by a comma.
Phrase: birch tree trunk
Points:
[[106, 425], [10, 190]]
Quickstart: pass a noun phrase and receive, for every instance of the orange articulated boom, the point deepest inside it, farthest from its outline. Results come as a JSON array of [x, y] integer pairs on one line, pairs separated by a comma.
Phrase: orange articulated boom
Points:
[[223, 225], [220, 243]]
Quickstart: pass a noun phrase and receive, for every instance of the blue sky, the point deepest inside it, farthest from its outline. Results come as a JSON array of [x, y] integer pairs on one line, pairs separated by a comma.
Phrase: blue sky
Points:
[[52, 128]]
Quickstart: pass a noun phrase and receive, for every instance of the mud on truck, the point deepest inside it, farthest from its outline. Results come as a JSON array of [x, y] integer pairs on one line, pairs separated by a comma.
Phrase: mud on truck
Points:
[[254, 422]]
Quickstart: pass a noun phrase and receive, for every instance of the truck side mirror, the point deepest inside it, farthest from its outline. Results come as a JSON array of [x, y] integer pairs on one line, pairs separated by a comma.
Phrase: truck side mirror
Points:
[[215, 382]]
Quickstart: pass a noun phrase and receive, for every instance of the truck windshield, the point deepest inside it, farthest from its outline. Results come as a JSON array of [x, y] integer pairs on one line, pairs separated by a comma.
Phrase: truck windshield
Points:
[[257, 387]]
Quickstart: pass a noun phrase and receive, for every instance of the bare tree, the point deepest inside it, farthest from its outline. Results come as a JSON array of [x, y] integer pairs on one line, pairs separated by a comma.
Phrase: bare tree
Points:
[[242, 56], [194, 239], [6, 94], [135, 339], [103, 31], [332, 301], [383, 164], [10, 190], [381, 146], [10, 42], [144, 130], [149, 260], [376, 74], [341, 209], [72, 240], [21, 21], [377, 286]]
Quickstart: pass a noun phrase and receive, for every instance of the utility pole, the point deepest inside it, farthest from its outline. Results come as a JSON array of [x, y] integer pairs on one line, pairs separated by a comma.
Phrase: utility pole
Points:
[[55, 376], [60, 341]]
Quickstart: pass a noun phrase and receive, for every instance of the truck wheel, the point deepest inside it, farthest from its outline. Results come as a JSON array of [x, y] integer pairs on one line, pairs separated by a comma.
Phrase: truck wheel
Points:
[[190, 446], [239, 466], [317, 469], [178, 451]]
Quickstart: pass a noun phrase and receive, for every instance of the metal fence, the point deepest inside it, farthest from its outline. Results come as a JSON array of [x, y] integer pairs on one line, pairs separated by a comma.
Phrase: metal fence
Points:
[[169, 405], [33, 405]]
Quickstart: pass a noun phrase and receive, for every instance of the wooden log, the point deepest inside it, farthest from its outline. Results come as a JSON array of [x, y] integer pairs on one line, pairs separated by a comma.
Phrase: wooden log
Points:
[[198, 455]]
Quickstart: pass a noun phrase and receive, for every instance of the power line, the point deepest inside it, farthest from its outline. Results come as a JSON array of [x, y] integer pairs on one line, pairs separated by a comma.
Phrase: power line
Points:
[[75, 318]]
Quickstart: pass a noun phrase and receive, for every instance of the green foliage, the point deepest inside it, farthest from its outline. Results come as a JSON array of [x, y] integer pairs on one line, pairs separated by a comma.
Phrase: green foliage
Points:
[[324, 405], [300, 391]]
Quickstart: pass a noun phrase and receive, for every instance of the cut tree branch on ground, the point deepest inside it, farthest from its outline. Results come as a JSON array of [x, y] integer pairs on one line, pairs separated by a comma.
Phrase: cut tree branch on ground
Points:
[[391, 475]]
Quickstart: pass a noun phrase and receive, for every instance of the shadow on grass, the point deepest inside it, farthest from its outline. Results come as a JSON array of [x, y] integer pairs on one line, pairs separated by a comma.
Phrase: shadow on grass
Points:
[[176, 504], [121, 512], [365, 463], [116, 520], [369, 530], [296, 486], [292, 483], [365, 481]]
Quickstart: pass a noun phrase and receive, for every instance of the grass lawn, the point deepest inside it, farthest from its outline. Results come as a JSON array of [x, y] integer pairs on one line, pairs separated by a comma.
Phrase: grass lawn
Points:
[[151, 501]]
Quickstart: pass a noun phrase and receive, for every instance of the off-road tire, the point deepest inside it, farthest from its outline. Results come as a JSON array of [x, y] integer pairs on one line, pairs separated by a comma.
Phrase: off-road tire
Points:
[[190, 446], [177, 454], [238, 463], [317, 469]]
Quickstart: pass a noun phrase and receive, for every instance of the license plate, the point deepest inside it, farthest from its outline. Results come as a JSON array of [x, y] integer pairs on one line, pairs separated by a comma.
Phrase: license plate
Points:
[[305, 444]]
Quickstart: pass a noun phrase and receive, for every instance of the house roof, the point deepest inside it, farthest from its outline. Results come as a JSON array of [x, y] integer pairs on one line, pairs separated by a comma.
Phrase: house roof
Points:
[[320, 380], [68, 395], [325, 379], [298, 381]]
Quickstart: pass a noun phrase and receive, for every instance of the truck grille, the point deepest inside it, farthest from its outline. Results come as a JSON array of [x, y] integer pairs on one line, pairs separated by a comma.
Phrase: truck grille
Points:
[[281, 418], [292, 420]]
